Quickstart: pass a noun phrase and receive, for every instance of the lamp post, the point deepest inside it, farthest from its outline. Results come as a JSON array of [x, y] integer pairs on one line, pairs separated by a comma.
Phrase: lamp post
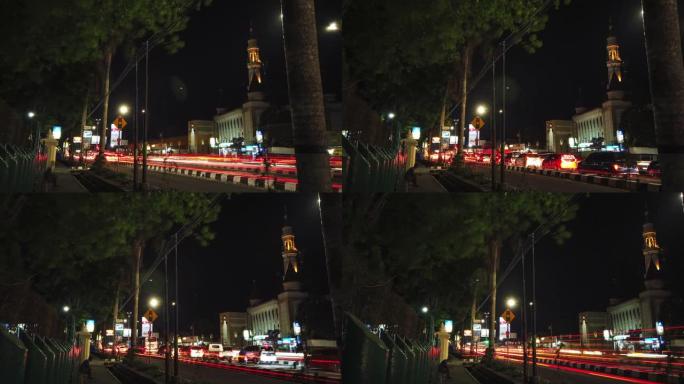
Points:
[[510, 304]]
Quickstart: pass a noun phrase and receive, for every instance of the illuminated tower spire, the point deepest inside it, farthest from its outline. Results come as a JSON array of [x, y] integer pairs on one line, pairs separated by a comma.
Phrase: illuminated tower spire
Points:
[[614, 62], [290, 252], [254, 64], [651, 251]]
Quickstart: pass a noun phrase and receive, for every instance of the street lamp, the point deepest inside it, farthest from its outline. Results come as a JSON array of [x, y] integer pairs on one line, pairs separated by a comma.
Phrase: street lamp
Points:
[[65, 308], [511, 302], [154, 303], [424, 309], [332, 27], [481, 110], [391, 115], [31, 115], [123, 109]]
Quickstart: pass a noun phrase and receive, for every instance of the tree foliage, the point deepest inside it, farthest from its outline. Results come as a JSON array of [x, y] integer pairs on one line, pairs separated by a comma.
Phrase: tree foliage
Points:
[[67, 251], [431, 249], [406, 55]]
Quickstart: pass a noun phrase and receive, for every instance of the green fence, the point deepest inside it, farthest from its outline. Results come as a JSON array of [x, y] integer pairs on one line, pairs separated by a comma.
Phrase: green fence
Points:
[[368, 168], [31, 359], [385, 359], [20, 169]]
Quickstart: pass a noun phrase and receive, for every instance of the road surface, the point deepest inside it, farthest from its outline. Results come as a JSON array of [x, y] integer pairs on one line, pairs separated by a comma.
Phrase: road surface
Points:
[[203, 374], [532, 182]]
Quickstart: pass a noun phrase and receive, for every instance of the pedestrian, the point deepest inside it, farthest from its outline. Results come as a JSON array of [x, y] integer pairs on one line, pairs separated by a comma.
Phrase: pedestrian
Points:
[[85, 373], [443, 370], [411, 177]]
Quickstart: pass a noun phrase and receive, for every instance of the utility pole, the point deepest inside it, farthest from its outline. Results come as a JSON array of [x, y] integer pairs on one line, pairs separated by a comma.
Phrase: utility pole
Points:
[[167, 351], [503, 124], [135, 129], [175, 334], [524, 321], [534, 315], [146, 112], [494, 111]]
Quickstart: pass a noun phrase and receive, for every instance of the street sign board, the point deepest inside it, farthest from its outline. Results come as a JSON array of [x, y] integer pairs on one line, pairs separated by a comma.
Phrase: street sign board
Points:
[[87, 134], [120, 122], [151, 315], [478, 123], [508, 315], [118, 327], [467, 332]]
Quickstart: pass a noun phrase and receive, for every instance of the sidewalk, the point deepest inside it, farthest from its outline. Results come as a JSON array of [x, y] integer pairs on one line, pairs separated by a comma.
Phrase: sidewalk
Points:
[[426, 182], [101, 374], [66, 182], [458, 373]]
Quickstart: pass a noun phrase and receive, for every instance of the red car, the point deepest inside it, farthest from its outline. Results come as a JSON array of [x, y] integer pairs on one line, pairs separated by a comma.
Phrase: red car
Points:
[[560, 162]]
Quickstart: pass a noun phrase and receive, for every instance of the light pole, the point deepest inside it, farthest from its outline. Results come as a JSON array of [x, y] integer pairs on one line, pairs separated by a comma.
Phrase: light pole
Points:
[[480, 111], [123, 111], [534, 315]]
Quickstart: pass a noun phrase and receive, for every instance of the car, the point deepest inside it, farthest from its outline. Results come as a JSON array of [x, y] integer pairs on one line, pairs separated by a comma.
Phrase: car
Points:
[[644, 161], [654, 169], [529, 160], [609, 163], [560, 162], [121, 349], [197, 352], [267, 356], [248, 354], [162, 350]]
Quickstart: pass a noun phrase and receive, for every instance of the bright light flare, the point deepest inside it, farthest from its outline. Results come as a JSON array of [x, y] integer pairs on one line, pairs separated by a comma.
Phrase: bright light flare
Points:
[[332, 27], [511, 303], [124, 109], [154, 302], [481, 110]]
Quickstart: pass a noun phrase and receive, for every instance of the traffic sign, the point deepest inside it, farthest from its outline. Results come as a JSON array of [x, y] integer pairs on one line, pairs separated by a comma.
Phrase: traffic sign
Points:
[[120, 122], [508, 315], [478, 123], [151, 315]]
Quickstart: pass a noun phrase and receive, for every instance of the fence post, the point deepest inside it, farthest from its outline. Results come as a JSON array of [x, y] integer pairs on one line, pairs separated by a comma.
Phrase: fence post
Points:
[[13, 355]]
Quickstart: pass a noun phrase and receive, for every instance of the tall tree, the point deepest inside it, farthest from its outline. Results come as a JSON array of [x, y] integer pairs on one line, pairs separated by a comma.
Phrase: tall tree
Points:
[[666, 70], [306, 95]]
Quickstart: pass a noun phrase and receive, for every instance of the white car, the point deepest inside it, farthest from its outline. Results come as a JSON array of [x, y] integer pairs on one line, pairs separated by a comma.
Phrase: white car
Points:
[[267, 357], [197, 352]]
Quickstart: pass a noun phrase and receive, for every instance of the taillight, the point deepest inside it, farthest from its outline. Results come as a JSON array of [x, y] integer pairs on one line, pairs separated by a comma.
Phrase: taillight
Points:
[[616, 167]]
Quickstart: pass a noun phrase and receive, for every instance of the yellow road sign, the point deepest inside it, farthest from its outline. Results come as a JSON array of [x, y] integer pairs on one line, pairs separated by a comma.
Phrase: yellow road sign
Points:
[[478, 123], [508, 315], [151, 315], [120, 122]]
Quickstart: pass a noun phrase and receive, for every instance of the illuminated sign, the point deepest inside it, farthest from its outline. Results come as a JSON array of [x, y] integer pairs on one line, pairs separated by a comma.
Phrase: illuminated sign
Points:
[[127, 332], [660, 328], [467, 332], [56, 132], [119, 327], [620, 137], [95, 139], [77, 140], [453, 140], [109, 332], [259, 137], [484, 332], [477, 327], [448, 326], [415, 133], [436, 140], [297, 328], [446, 134], [87, 134], [90, 325]]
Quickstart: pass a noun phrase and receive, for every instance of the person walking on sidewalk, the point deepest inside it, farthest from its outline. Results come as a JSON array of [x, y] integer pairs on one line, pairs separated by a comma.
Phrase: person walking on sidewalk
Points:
[[85, 373], [411, 177]]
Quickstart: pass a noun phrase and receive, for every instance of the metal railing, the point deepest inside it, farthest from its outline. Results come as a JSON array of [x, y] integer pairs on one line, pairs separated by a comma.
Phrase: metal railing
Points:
[[31, 359], [385, 359], [369, 168], [21, 170]]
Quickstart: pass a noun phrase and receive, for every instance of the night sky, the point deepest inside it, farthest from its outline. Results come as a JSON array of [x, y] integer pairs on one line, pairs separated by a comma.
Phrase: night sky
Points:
[[545, 85], [603, 258], [212, 67], [247, 247]]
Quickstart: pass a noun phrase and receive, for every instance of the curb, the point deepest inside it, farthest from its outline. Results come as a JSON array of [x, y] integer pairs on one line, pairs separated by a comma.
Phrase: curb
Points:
[[651, 376], [626, 184], [252, 181]]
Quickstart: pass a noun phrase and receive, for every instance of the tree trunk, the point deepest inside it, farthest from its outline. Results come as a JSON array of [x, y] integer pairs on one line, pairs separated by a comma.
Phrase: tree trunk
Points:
[[115, 313], [84, 118], [137, 256], [664, 52], [331, 226], [306, 95], [467, 52], [105, 106], [494, 248], [473, 317]]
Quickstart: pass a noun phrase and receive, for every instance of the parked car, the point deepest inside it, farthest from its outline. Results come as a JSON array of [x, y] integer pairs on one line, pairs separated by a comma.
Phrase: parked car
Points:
[[249, 354], [560, 162], [218, 352], [654, 169], [609, 163]]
